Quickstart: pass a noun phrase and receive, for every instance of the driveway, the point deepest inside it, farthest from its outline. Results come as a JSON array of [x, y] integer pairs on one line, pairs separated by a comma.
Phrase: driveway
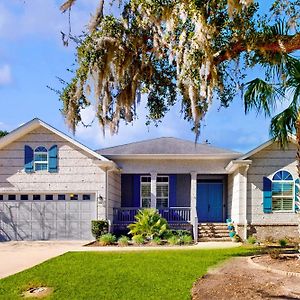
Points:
[[18, 256]]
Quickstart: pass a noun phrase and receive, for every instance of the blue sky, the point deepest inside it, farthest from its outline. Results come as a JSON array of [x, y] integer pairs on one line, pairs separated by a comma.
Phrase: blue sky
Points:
[[32, 55]]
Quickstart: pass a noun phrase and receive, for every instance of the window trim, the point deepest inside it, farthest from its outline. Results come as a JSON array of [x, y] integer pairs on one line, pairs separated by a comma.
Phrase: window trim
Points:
[[163, 183], [282, 197], [141, 198], [157, 183], [36, 162]]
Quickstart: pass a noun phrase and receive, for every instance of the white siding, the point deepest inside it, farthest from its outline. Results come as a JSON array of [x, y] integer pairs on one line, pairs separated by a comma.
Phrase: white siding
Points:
[[114, 193], [266, 163], [173, 166], [78, 171]]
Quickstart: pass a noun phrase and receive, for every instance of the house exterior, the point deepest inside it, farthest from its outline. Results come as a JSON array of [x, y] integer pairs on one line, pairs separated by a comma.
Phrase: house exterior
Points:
[[51, 186]]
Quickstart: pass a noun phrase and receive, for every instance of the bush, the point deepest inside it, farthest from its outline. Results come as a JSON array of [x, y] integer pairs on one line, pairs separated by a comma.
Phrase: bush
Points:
[[282, 242], [174, 240], [138, 239], [99, 227], [149, 224], [107, 239], [156, 241], [186, 239], [181, 232], [251, 240], [123, 241], [274, 253]]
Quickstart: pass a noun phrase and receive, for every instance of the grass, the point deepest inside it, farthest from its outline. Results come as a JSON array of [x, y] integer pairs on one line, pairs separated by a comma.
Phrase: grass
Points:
[[141, 275]]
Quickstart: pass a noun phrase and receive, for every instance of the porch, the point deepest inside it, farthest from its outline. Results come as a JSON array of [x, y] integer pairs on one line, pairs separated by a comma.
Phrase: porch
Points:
[[180, 198]]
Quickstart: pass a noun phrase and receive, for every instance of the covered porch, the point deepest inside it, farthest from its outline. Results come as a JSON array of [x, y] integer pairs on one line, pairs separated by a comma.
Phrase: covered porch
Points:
[[179, 198]]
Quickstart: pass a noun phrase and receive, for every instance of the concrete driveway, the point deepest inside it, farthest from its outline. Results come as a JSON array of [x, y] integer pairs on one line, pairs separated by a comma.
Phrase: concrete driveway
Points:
[[18, 256]]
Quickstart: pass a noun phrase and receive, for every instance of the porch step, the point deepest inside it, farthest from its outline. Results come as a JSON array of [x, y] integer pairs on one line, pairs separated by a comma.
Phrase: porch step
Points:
[[213, 232]]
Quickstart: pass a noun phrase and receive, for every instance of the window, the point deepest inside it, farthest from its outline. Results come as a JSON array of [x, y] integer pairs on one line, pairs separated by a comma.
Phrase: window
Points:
[[12, 197], [162, 192], [1, 197], [145, 191], [73, 197], [49, 197], [24, 197], [86, 197], [40, 159], [282, 191], [61, 197], [36, 197]]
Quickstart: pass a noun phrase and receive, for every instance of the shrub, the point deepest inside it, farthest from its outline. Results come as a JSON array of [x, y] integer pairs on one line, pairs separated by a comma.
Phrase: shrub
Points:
[[99, 227], [149, 224], [181, 232], [251, 240], [123, 241], [107, 239], [138, 239], [274, 253], [282, 242], [156, 241], [174, 240], [186, 239]]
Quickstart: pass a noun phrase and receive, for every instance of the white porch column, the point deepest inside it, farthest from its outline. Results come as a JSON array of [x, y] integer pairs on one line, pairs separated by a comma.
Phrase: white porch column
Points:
[[153, 189], [243, 199], [194, 219]]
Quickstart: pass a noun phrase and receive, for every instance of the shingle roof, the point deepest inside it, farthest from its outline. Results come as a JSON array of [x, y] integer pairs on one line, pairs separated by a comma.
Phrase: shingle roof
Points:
[[166, 146]]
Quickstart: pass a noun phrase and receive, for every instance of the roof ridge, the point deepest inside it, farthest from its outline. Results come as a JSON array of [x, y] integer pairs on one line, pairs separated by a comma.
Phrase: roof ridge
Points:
[[146, 140]]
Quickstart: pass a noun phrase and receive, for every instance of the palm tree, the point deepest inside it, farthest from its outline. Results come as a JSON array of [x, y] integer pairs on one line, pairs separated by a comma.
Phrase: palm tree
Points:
[[263, 96], [3, 133]]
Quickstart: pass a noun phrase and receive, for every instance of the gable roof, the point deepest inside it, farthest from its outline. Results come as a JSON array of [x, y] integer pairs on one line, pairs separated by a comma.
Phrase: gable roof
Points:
[[34, 124], [167, 147], [292, 139]]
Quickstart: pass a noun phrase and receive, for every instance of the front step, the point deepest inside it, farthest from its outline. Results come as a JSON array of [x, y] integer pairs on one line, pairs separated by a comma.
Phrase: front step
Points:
[[213, 232]]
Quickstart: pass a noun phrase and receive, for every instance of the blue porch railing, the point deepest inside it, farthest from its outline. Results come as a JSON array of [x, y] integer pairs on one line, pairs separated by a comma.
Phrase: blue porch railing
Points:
[[125, 215]]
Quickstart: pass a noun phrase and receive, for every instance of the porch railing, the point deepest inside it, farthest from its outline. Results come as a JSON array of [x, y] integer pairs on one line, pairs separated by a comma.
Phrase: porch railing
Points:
[[125, 215]]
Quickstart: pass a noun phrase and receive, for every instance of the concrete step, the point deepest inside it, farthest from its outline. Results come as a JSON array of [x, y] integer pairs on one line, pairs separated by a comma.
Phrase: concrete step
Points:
[[213, 230], [212, 235], [214, 239]]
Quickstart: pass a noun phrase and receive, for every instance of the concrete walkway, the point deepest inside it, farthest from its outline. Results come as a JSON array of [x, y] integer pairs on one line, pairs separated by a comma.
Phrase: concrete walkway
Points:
[[18, 256]]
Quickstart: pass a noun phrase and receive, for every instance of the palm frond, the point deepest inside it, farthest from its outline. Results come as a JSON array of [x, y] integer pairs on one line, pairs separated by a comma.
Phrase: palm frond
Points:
[[261, 96], [67, 5], [283, 125]]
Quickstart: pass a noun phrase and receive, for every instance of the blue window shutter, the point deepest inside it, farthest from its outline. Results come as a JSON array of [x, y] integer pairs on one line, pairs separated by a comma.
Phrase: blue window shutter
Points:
[[297, 198], [52, 159], [172, 190], [28, 159], [136, 190], [267, 195]]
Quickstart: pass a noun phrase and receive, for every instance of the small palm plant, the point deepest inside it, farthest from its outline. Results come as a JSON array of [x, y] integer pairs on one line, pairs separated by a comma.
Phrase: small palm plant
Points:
[[148, 224]]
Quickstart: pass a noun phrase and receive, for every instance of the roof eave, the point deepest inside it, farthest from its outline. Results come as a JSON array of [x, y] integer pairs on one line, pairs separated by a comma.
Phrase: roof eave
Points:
[[235, 164], [171, 156]]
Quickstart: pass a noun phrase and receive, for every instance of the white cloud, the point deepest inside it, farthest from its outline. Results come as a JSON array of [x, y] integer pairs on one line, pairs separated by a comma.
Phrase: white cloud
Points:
[[173, 125], [5, 75]]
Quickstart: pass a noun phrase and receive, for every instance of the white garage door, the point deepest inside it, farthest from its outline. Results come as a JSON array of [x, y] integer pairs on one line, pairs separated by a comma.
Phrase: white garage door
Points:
[[46, 216]]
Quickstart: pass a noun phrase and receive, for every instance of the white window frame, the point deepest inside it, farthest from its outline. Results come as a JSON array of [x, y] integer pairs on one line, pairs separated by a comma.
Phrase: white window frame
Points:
[[286, 197], [144, 183], [157, 184], [40, 162], [168, 185]]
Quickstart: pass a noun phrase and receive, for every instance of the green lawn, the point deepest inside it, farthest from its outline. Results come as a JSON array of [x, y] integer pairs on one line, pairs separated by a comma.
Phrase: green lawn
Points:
[[117, 276]]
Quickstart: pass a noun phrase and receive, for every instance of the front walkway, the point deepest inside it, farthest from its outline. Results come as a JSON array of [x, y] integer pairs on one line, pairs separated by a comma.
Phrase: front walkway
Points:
[[18, 256]]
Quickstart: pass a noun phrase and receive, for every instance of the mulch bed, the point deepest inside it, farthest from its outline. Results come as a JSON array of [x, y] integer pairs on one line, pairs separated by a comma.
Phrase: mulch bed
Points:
[[238, 279]]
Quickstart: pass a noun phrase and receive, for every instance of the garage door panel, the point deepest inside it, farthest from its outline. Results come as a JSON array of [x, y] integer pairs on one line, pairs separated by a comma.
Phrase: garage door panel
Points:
[[46, 219]]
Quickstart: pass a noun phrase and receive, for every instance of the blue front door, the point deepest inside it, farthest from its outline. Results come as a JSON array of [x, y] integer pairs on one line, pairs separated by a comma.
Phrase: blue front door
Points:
[[210, 201]]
